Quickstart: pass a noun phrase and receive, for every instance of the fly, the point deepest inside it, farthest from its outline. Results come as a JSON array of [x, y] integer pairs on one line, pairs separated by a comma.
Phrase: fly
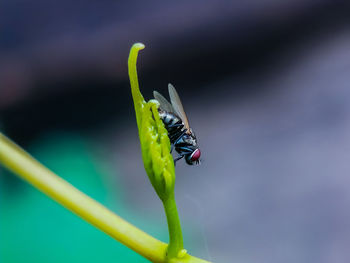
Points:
[[175, 121]]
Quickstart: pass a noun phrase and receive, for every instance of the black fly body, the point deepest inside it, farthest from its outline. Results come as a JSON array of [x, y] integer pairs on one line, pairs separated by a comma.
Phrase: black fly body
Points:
[[175, 121]]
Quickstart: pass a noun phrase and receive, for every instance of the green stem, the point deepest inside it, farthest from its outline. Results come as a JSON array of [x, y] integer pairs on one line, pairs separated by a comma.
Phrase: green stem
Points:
[[175, 247], [26, 167], [21, 163]]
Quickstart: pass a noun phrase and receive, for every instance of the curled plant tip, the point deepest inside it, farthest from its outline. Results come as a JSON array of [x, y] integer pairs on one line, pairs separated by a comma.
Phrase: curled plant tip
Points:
[[139, 101], [155, 143]]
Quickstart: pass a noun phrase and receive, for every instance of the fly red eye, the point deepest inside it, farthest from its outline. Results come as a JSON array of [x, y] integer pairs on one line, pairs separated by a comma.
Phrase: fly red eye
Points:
[[196, 155]]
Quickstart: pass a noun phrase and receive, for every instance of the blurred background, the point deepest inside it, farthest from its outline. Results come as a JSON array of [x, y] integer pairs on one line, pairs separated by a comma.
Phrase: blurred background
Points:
[[265, 85]]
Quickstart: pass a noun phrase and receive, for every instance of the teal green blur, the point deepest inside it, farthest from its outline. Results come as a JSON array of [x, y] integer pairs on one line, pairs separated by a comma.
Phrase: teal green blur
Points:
[[34, 228]]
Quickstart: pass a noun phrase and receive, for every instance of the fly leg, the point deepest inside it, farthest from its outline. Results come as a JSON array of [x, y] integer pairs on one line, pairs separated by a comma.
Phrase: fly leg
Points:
[[180, 136], [176, 141], [178, 158]]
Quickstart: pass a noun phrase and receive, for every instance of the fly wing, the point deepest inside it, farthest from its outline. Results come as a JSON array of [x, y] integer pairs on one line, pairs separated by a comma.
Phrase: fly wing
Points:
[[164, 104], [177, 105]]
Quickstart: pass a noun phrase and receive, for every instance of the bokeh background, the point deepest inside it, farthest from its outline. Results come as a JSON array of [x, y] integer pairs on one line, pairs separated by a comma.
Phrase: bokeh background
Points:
[[266, 86]]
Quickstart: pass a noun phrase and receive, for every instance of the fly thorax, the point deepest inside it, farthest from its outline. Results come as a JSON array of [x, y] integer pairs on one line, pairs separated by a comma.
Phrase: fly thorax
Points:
[[189, 139]]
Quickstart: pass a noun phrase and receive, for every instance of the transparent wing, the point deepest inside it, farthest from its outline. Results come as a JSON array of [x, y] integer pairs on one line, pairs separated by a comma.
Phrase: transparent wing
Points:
[[164, 104], [177, 105]]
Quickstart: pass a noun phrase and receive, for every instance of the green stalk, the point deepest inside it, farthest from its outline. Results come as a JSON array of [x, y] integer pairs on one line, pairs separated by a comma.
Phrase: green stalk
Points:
[[25, 166], [16, 160], [175, 248]]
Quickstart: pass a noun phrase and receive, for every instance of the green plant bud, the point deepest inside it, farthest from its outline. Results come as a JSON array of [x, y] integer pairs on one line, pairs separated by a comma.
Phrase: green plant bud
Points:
[[155, 147]]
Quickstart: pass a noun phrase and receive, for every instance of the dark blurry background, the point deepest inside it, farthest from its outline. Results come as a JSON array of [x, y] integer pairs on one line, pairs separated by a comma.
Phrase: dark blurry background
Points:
[[265, 84]]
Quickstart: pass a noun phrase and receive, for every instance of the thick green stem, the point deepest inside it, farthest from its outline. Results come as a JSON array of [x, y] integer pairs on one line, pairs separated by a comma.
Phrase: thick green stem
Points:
[[175, 248], [26, 167]]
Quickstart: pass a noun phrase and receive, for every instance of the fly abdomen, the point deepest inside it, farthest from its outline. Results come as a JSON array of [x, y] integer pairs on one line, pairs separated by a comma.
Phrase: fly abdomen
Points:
[[175, 121], [173, 124]]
